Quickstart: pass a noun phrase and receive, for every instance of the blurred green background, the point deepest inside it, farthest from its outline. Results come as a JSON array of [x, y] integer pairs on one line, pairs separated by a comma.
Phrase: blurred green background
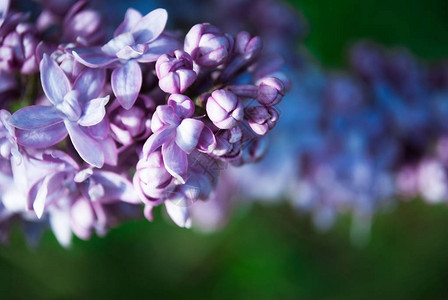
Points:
[[266, 252]]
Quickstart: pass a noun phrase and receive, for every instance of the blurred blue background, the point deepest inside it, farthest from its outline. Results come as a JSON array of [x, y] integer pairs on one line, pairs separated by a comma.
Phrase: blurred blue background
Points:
[[266, 252]]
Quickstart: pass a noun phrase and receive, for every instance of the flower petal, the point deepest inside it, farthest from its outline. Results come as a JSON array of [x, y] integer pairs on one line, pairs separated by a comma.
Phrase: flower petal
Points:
[[178, 212], [131, 18], [60, 225], [35, 116], [126, 83], [150, 26], [207, 140], [89, 84], [110, 151], [118, 43], [116, 187], [157, 139], [93, 57], [42, 137], [162, 45], [54, 82], [87, 147], [175, 160], [94, 112], [188, 133]]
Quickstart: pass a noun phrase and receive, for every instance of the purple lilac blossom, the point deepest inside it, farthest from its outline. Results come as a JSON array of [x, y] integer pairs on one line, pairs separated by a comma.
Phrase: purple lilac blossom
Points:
[[73, 109]]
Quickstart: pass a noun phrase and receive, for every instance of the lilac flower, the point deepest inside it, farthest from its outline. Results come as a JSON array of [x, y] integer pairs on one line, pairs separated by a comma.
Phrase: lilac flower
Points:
[[175, 72], [137, 40], [82, 25], [261, 118], [151, 179], [270, 91], [178, 134], [228, 143], [224, 109], [128, 126], [17, 50], [207, 45], [73, 109], [66, 183], [198, 186]]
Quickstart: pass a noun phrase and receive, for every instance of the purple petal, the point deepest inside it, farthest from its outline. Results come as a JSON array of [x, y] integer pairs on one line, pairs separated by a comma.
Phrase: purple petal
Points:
[[157, 139], [100, 130], [87, 147], [175, 160], [118, 43], [131, 52], [94, 112], [54, 82], [35, 116], [50, 188], [150, 26], [178, 212], [188, 133], [93, 57], [126, 83], [110, 151], [131, 18], [162, 45], [89, 84], [43, 137], [60, 225], [207, 140], [116, 187]]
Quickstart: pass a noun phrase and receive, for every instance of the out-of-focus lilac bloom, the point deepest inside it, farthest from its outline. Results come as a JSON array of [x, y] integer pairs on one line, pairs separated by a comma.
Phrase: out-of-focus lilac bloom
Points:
[[82, 25], [137, 40], [4, 7], [224, 109], [213, 214], [432, 181], [17, 50], [178, 134], [261, 118], [58, 7], [8, 85], [74, 108], [208, 46], [175, 72]]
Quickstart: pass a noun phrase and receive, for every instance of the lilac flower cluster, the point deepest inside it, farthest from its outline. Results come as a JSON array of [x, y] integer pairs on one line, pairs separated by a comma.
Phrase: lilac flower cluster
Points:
[[101, 127]]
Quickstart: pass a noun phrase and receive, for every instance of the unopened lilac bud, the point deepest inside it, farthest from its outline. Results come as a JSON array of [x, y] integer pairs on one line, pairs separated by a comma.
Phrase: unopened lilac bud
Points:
[[261, 118], [151, 178], [246, 46], [270, 91], [228, 143], [175, 72], [224, 109], [207, 45]]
